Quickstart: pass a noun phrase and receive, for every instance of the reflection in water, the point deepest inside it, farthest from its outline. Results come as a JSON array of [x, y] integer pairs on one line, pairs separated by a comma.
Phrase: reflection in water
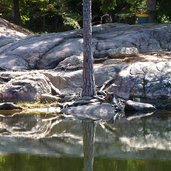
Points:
[[88, 144], [25, 162], [135, 145]]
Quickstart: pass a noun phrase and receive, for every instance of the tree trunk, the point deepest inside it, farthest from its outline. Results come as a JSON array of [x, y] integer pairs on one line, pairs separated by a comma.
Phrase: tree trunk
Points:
[[16, 11], [151, 8], [88, 72]]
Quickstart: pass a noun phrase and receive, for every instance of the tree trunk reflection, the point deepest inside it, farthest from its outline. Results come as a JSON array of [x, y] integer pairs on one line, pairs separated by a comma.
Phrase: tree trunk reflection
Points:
[[88, 144]]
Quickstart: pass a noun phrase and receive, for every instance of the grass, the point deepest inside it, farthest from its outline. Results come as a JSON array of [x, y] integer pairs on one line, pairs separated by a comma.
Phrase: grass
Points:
[[27, 105], [38, 108]]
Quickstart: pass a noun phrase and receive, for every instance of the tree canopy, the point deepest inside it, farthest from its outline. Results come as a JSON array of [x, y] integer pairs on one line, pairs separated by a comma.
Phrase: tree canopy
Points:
[[61, 15]]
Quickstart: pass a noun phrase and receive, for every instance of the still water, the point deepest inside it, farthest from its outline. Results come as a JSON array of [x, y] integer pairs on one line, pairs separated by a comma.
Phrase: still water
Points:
[[22, 162], [54, 143]]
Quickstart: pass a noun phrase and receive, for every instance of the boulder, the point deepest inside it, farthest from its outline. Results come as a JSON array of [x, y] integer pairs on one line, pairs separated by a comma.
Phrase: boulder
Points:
[[26, 87], [9, 106], [66, 49], [71, 82], [149, 81], [71, 63], [122, 52], [39, 51]]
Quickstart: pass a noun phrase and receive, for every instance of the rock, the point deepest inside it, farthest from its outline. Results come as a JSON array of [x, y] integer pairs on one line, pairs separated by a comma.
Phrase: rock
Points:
[[71, 63], [9, 106], [71, 82], [39, 51], [122, 52], [56, 54], [10, 33], [46, 51], [94, 111], [48, 98], [26, 87], [84, 102], [132, 106], [149, 81]]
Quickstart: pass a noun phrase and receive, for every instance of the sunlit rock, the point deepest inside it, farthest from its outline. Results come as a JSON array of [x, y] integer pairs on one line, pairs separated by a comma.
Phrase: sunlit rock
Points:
[[122, 52], [148, 81], [46, 51], [26, 87]]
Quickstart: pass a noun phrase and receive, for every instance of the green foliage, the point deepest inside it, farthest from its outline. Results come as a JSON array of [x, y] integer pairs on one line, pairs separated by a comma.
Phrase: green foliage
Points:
[[61, 15], [71, 22], [107, 5], [163, 11]]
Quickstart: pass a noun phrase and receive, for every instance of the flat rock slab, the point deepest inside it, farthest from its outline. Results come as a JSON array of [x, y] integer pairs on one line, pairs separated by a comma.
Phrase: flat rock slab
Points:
[[94, 111]]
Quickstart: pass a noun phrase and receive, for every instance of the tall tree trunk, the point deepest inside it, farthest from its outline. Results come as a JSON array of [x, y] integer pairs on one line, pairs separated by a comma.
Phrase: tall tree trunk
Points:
[[88, 72], [16, 11], [151, 8]]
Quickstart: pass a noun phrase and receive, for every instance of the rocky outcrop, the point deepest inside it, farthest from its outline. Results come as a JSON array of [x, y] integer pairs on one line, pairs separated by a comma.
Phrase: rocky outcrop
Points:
[[121, 70], [27, 87], [10, 33], [46, 51], [147, 81]]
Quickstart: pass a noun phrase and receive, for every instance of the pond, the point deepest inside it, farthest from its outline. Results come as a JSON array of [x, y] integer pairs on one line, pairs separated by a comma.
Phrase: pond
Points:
[[33, 142], [26, 162]]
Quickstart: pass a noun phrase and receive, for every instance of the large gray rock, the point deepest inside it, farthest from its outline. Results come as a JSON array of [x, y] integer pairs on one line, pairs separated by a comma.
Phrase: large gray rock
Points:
[[71, 82], [71, 63], [144, 38], [148, 81], [10, 32], [46, 51], [122, 52], [26, 87], [39, 51]]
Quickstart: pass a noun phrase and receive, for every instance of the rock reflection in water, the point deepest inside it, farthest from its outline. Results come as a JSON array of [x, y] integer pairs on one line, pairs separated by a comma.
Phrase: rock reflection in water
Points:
[[138, 138]]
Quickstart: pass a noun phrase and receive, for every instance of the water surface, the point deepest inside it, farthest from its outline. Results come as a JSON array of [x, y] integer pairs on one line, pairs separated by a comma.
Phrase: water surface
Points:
[[25, 162], [32, 143]]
